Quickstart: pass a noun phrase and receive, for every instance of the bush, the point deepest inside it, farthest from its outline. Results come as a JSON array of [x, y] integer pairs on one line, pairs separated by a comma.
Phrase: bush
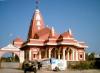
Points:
[[83, 65]]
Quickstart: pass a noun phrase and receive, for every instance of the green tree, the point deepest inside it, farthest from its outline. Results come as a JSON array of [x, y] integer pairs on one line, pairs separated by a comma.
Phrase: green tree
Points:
[[91, 56]]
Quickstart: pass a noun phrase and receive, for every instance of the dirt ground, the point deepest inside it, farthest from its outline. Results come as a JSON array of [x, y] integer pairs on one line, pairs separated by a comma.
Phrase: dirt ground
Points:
[[46, 71]]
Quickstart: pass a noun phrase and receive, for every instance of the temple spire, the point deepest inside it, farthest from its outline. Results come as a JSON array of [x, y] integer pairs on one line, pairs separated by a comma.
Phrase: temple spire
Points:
[[70, 32], [37, 22]]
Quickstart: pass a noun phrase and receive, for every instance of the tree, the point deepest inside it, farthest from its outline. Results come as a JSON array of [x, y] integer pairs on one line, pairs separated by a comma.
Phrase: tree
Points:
[[91, 56]]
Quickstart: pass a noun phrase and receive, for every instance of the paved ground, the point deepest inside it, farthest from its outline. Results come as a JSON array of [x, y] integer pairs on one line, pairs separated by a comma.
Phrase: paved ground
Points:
[[45, 71]]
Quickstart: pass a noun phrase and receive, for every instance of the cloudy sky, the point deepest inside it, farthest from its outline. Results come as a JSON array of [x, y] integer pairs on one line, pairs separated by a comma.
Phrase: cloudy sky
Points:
[[82, 16]]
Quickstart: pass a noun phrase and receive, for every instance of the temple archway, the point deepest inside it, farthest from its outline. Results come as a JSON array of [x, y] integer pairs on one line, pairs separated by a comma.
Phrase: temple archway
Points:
[[54, 53], [43, 53], [68, 53], [12, 50], [9, 57]]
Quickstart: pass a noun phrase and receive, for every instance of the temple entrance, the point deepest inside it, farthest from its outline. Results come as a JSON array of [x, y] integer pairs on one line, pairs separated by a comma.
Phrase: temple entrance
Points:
[[9, 60], [11, 56]]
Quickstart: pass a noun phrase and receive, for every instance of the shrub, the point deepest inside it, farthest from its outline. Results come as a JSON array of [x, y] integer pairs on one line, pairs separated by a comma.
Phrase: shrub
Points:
[[83, 65]]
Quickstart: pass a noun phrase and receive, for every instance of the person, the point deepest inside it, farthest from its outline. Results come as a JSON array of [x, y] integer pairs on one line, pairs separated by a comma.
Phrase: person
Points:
[[50, 61], [39, 65], [26, 67], [34, 67]]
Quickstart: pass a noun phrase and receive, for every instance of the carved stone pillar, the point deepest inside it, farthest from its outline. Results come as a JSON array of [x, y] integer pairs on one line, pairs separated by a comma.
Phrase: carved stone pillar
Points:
[[73, 55], [30, 55], [64, 53], [84, 56], [68, 56], [59, 54], [50, 52], [39, 54]]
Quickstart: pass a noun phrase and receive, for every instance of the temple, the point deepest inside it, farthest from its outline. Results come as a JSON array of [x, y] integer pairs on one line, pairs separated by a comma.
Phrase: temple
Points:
[[43, 42]]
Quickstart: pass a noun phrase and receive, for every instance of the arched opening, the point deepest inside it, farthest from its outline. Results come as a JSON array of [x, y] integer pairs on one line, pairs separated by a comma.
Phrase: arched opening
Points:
[[68, 53], [54, 53], [61, 53], [9, 57], [43, 52], [9, 60]]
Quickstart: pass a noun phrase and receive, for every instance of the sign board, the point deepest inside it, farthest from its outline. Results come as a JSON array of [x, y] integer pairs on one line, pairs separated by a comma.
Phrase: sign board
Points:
[[53, 63], [59, 63]]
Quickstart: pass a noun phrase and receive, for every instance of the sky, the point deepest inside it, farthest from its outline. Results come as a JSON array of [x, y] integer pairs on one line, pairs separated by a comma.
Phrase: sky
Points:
[[82, 16]]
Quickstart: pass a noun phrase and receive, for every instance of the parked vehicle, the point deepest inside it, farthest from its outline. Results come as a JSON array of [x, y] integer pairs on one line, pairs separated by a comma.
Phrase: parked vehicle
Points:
[[29, 66]]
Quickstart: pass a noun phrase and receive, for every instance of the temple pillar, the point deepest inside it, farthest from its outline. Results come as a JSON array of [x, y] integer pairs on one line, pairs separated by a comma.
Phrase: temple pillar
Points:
[[73, 55], [76, 55], [39, 54], [21, 56], [68, 56], [49, 52], [64, 53], [84, 56], [46, 53], [59, 54], [30, 55]]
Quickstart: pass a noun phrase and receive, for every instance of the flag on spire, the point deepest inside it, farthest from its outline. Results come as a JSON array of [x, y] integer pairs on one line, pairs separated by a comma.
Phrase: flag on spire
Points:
[[37, 3]]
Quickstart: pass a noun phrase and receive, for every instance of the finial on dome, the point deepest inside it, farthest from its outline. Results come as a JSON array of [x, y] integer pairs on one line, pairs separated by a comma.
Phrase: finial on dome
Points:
[[53, 31], [70, 32], [37, 3], [47, 26]]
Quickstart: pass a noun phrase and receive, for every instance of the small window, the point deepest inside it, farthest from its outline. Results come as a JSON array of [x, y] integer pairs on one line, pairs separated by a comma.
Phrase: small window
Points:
[[33, 55], [81, 56]]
